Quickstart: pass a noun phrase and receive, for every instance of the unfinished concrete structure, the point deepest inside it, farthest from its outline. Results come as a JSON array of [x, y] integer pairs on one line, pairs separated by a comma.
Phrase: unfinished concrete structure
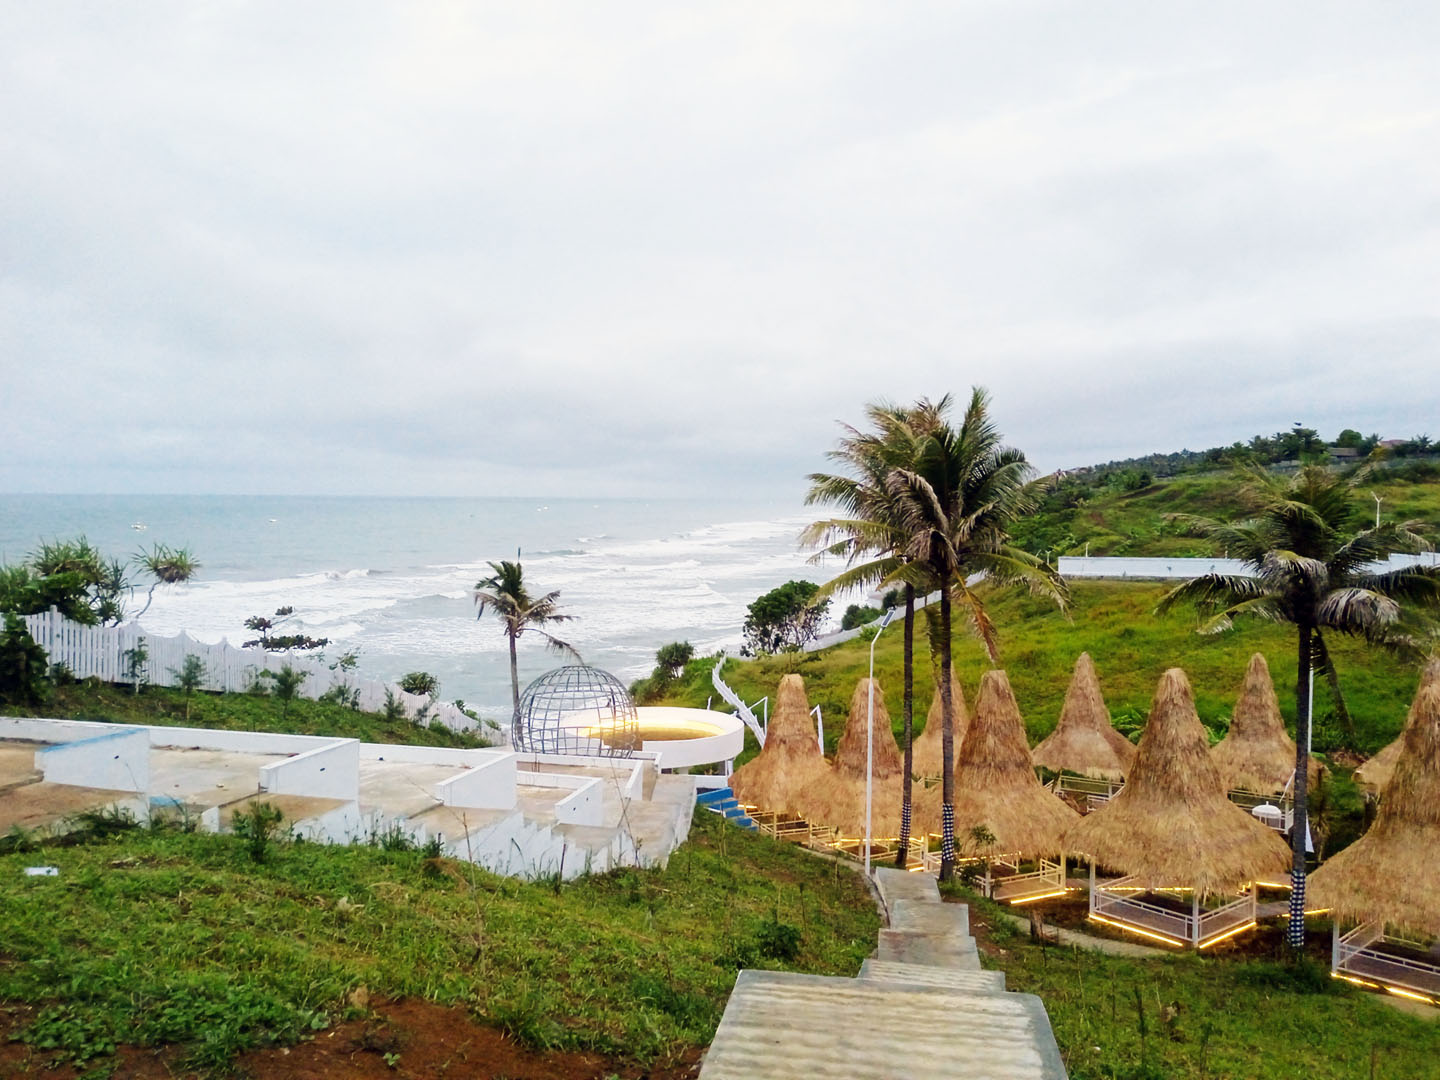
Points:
[[523, 815]]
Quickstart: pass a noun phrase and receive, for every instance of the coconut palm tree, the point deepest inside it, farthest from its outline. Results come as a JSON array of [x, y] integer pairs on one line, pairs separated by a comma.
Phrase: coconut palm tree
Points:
[[956, 505], [504, 593], [871, 538], [1309, 566]]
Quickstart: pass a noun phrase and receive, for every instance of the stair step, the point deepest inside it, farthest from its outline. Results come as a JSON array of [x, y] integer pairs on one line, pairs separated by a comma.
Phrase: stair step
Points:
[[705, 798], [964, 982], [781, 1024], [928, 918], [903, 885], [933, 950]]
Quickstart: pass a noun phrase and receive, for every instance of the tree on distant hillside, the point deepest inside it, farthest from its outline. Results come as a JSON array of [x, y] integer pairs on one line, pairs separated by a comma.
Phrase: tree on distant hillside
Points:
[[785, 619], [504, 593], [1311, 567]]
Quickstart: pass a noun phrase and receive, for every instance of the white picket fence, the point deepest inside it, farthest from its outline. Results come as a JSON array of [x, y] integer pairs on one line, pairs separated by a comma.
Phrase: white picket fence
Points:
[[99, 652]]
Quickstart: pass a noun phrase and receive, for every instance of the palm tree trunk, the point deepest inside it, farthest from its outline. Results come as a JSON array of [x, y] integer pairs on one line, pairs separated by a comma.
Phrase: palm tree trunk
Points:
[[1322, 657], [947, 744], [1295, 932], [906, 782], [514, 680]]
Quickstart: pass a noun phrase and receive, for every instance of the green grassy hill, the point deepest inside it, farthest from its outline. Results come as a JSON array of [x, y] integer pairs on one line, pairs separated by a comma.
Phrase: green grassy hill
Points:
[[1131, 647], [1132, 523]]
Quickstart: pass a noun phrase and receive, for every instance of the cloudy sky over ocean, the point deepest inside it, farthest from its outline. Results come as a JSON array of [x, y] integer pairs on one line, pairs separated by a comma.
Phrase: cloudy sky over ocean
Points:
[[621, 249]]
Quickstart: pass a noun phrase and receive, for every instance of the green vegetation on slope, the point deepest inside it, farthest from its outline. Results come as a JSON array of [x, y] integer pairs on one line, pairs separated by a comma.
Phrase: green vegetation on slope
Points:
[[155, 936], [1206, 1017], [1132, 647], [96, 701], [1116, 522]]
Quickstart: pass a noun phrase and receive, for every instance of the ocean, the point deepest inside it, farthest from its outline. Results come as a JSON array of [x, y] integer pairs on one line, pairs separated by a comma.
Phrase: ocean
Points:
[[393, 577]]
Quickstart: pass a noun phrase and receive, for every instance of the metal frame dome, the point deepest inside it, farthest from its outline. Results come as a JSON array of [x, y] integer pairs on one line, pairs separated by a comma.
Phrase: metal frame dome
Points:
[[576, 709]]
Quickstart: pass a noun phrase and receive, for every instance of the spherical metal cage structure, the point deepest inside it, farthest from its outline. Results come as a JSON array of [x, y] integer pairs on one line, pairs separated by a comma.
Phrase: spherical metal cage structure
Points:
[[576, 709]]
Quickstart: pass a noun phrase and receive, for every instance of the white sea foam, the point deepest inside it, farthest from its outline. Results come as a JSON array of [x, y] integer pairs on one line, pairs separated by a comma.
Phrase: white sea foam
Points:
[[629, 594]]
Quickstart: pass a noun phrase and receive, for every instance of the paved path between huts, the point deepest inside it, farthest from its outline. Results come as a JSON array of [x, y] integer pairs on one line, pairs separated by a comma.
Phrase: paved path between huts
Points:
[[920, 1008]]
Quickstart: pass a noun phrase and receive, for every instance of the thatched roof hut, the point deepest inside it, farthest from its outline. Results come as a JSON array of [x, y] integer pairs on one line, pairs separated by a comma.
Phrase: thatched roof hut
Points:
[[995, 783], [1376, 772], [779, 778], [1256, 754], [1084, 741], [838, 799], [1390, 874], [850, 753], [1172, 824], [926, 749]]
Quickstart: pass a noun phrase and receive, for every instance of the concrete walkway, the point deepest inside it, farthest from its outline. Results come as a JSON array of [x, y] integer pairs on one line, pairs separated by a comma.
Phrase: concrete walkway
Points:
[[1109, 946], [921, 1007]]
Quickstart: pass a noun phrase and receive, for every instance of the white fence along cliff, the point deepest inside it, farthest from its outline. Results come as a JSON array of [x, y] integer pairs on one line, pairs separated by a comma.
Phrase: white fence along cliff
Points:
[[99, 652]]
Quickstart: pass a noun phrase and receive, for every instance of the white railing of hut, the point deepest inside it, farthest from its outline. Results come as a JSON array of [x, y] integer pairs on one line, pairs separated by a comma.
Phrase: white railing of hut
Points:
[[1352, 955], [736, 702], [1097, 792], [100, 652], [1115, 900], [1048, 880], [819, 727], [1280, 814]]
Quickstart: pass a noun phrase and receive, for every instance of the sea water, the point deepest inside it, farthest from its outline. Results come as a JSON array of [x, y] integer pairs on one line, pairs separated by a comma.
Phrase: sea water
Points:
[[394, 577]]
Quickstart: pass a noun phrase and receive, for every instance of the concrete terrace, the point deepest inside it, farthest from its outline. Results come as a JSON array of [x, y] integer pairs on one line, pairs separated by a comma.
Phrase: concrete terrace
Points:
[[542, 815]]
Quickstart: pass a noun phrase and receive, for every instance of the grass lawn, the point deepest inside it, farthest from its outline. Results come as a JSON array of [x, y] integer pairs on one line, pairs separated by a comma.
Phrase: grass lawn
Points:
[[1184, 1016], [156, 937], [93, 700], [1132, 647]]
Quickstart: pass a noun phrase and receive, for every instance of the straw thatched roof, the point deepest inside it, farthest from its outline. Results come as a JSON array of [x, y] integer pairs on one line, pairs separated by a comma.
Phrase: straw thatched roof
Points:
[[1376, 772], [1084, 741], [850, 753], [779, 777], [1172, 825], [926, 749], [995, 783], [838, 799], [1391, 873], [1256, 754]]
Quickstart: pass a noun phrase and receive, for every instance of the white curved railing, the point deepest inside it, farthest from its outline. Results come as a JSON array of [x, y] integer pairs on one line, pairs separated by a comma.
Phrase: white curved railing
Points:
[[741, 709]]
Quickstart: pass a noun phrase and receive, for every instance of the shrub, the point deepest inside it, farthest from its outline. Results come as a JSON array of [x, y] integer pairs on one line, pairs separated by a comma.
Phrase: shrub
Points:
[[420, 682], [258, 826], [856, 615], [24, 665]]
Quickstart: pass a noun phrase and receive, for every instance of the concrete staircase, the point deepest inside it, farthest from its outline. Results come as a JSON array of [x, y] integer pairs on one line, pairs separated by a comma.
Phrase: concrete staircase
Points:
[[921, 1007]]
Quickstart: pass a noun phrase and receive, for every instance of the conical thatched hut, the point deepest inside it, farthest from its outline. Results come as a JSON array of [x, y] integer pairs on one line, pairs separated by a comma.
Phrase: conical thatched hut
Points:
[[1376, 772], [1390, 875], [1173, 833], [838, 800], [926, 749], [995, 784], [1256, 754], [781, 776], [1084, 741]]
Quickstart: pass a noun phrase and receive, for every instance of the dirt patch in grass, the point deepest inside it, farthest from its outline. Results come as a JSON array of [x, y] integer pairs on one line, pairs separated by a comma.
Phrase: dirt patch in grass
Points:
[[411, 1038]]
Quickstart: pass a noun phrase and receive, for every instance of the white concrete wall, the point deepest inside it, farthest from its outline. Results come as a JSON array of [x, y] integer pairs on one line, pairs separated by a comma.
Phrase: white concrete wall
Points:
[[243, 742], [489, 785], [325, 772], [118, 760], [46, 730], [585, 807], [430, 755]]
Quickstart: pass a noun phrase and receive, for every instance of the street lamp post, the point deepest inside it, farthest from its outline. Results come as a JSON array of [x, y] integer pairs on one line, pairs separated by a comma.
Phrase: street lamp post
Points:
[[870, 736], [1378, 500]]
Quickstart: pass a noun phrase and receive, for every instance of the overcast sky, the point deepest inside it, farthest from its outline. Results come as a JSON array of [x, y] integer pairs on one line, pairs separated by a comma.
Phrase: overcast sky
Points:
[[533, 248]]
